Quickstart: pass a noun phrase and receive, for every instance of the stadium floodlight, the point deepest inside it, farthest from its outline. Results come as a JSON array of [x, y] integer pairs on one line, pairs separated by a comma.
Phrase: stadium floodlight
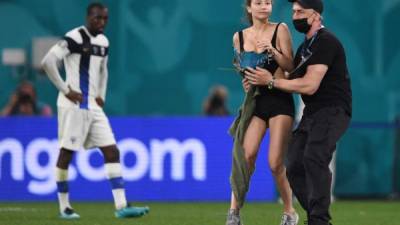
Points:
[[40, 47], [13, 57]]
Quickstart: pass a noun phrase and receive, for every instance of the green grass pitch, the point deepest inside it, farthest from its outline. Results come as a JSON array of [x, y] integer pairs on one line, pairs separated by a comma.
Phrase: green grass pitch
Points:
[[101, 213]]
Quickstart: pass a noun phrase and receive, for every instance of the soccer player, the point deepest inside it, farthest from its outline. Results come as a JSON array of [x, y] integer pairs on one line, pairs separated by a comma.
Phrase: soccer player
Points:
[[81, 119]]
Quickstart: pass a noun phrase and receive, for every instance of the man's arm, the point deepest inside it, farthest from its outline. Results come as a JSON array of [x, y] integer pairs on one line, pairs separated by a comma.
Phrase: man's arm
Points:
[[318, 65], [103, 83], [306, 85], [49, 65], [7, 110]]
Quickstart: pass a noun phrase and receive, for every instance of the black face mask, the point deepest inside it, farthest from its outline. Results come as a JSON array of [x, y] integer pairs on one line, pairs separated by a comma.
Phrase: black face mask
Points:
[[301, 25]]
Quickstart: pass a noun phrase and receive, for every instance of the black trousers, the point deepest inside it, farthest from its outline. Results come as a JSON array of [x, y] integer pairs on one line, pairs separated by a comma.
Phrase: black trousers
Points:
[[309, 154]]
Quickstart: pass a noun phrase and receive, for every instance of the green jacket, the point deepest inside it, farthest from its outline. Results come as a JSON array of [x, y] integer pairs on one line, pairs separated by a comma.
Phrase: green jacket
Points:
[[241, 173]]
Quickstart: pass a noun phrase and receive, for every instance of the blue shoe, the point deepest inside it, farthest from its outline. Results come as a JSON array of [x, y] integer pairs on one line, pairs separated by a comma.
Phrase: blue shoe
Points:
[[130, 211], [69, 214]]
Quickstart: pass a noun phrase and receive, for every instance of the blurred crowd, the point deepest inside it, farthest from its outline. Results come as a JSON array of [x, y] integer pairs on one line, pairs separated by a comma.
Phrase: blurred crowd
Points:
[[24, 102], [215, 103]]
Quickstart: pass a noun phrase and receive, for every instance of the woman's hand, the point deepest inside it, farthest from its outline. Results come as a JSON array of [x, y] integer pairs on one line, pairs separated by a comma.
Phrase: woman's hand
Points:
[[265, 45], [246, 85]]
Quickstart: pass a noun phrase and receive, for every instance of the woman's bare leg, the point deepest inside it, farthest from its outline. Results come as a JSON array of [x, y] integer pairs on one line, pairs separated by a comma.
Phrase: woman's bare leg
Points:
[[251, 144], [280, 130]]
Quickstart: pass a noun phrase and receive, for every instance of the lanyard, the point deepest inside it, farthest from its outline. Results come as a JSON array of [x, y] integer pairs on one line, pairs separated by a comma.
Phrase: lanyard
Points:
[[305, 51]]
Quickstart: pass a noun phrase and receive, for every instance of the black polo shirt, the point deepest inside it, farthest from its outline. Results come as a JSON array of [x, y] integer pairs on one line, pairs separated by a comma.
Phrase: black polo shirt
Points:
[[334, 90]]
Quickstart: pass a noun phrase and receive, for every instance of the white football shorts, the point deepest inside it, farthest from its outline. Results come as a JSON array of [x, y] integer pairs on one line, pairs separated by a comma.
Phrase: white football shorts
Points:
[[79, 128]]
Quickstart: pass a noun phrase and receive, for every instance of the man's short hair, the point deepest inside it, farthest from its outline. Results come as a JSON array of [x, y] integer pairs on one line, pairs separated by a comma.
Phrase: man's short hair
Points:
[[317, 5], [93, 5]]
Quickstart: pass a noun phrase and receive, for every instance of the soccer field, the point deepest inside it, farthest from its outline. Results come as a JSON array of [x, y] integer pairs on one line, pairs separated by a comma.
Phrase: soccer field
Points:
[[344, 213]]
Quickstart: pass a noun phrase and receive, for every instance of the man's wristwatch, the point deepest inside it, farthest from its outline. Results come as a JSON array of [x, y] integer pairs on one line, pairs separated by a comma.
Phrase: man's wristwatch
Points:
[[270, 84]]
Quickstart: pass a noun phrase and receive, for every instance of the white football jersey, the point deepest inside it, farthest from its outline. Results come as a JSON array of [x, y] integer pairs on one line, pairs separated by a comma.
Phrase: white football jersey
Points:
[[85, 60]]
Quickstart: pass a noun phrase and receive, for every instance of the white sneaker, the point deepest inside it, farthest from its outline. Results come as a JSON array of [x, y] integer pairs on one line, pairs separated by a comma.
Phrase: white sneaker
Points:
[[233, 218], [288, 219], [69, 214]]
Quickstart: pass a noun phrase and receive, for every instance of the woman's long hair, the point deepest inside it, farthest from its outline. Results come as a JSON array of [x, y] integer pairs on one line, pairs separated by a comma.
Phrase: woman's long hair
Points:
[[249, 18]]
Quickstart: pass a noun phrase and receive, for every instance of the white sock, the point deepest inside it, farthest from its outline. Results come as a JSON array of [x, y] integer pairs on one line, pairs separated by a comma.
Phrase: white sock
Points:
[[62, 188], [119, 198], [114, 175]]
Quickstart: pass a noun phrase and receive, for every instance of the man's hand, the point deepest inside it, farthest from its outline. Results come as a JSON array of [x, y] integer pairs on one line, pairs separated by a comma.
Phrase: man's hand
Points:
[[100, 102], [74, 96], [258, 76]]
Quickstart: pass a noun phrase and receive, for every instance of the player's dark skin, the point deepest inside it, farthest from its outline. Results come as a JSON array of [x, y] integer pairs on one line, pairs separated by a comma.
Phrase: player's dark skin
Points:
[[96, 22]]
